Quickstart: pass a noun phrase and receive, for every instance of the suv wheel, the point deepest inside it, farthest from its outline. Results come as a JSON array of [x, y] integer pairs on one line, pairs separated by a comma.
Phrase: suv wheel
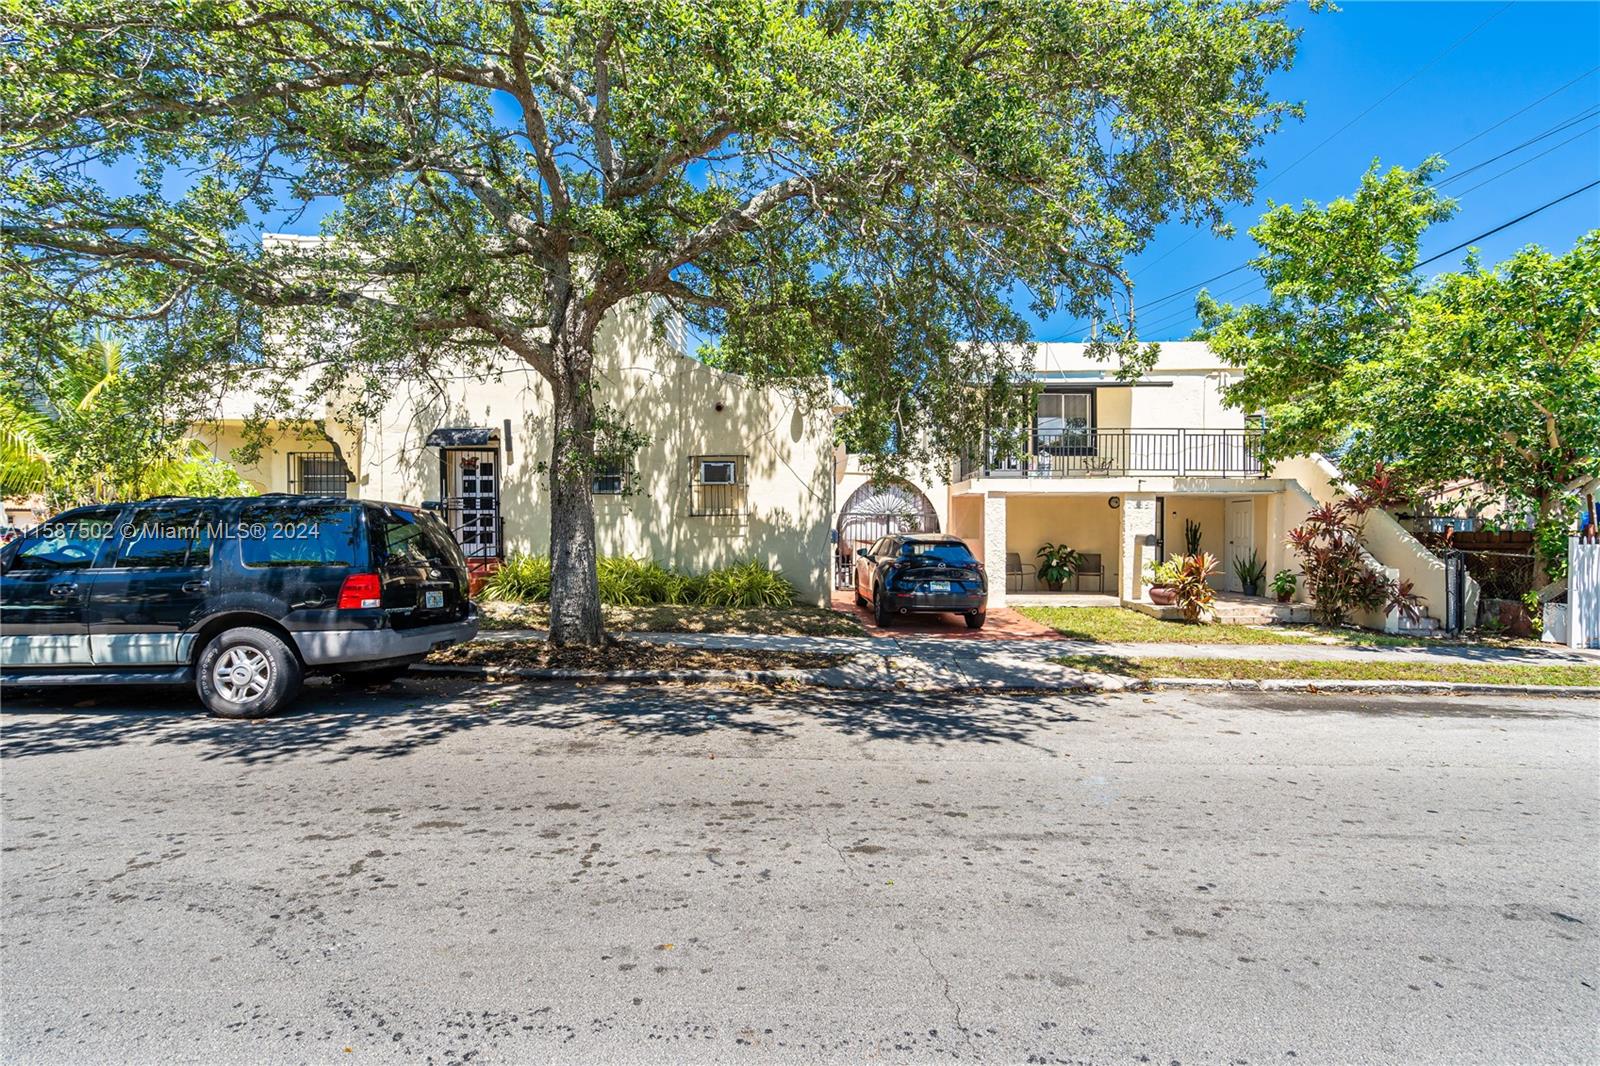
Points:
[[247, 673], [882, 613], [975, 619]]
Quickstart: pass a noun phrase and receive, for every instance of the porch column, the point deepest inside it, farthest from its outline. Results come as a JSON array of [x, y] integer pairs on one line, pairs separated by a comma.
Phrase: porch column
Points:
[[1138, 525], [994, 546]]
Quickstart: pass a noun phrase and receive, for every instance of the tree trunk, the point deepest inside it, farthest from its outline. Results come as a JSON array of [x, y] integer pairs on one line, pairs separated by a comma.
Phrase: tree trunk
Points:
[[574, 585]]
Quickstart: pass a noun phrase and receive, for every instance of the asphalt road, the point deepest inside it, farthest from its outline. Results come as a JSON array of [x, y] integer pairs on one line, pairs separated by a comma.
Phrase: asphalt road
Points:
[[513, 874]]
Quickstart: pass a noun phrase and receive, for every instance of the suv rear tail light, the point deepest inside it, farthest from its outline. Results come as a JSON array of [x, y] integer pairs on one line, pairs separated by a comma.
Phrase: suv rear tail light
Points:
[[358, 591]]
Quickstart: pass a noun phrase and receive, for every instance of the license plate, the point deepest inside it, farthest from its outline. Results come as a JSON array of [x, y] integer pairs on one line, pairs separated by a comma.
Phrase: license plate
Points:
[[433, 599], [938, 586]]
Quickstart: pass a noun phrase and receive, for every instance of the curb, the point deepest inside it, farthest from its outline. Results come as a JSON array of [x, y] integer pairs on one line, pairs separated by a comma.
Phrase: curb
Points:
[[1464, 688], [528, 673]]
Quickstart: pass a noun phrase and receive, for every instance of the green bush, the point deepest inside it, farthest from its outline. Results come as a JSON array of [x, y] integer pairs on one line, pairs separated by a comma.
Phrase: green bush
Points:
[[746, 584], [628, 582], [520, 579]]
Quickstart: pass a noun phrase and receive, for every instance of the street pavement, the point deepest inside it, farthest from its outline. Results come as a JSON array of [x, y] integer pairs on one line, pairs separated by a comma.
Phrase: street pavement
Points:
[[450, 872]]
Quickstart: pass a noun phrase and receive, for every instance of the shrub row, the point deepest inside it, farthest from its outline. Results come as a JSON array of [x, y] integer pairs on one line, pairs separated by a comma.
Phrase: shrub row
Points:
[[629, 582]]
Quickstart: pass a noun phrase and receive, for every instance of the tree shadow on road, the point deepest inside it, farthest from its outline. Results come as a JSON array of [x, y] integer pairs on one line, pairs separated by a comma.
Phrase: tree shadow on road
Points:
[[332, 723]]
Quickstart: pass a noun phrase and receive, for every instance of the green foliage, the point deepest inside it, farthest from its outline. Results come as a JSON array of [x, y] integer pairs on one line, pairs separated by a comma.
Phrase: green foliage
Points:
[[628, 582], [1489, 377], [1249, 569], [1058, 563], [80, 424], [1191, 536], [1284, 583], [1164, 574], [519, 579], [1340, 575]]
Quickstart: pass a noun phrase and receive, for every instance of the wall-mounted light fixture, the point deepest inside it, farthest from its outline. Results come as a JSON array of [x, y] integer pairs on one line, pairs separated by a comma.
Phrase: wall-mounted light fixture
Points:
[[506, 440]]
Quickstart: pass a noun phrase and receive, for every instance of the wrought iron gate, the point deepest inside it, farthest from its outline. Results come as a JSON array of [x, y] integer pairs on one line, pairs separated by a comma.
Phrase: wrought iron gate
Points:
[[877, 509]]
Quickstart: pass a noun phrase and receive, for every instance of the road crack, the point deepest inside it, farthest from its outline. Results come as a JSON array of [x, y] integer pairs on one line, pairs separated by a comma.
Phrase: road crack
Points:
[[944, 982]]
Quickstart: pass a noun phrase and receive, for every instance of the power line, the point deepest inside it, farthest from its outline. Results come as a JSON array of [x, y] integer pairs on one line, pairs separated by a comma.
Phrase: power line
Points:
[[1530, 159], [1553, 92], [1513, 222], [1459, 41], [1564, 124]]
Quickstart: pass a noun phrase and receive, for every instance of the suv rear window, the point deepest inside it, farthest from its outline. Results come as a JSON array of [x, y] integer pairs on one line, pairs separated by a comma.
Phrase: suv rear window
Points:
[[298, 533], [949, 554], [402, 535]]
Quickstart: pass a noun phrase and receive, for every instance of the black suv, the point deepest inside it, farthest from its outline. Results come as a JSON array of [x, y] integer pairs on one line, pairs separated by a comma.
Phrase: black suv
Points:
[[242, 597], [921, 573]]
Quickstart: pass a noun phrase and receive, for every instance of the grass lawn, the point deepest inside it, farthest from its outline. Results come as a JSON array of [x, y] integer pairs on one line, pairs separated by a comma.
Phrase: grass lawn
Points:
[[1118, 625], [784, 621], [1564, 674]]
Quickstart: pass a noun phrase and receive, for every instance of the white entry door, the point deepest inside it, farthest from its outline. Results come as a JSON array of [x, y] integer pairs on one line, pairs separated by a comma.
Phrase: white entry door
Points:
[[1240, 531]]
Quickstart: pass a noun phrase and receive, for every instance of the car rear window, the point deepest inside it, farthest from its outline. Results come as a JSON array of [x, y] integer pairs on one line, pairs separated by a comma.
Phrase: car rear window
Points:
[[412, 536], [298, 533], [949, 554]]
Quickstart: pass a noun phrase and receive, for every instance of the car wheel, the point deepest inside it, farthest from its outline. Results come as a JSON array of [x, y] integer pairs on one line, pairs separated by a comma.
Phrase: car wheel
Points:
[[861, 601], [881, 612], [975, 619], [247, 673]]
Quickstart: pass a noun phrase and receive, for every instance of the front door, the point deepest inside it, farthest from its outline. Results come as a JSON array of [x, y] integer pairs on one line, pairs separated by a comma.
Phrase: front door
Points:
[[44, 591], [1240, 531], [155, 588], [471, 492]]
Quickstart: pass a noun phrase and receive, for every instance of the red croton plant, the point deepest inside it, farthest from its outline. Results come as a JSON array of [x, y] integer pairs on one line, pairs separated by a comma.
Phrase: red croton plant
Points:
[[1341, 577]]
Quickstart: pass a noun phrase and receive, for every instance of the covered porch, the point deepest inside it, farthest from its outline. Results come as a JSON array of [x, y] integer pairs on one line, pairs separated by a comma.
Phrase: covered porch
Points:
[[1117, 533]]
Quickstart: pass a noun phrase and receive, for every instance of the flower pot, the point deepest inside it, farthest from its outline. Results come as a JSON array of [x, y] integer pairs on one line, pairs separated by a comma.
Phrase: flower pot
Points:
[[1253, 588], [1163, 595], [1285, 597], [1053, 586]]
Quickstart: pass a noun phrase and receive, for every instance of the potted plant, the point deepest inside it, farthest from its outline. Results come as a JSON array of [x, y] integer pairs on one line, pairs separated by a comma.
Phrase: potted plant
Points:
[[1058, 564], [1191, 537], [1191, 593], [1250, 570], [1283, 585], [1163, 579]]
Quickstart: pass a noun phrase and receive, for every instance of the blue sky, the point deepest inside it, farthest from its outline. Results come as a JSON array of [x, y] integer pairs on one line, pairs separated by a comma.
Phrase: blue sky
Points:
[[1445, 90]]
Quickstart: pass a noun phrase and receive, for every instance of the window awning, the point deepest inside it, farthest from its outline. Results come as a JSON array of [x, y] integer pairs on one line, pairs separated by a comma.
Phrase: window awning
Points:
[[464, 437]]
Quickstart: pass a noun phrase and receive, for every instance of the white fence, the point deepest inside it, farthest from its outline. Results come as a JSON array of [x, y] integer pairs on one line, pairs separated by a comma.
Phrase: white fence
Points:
[[1583, 594]]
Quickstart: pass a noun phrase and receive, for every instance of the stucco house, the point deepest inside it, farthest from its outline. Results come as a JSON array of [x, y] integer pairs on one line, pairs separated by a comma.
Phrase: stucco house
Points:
[[1116, 469]]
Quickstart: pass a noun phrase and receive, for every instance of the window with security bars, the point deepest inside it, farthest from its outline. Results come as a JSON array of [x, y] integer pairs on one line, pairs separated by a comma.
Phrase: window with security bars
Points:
[[718, 485], [317, 474]]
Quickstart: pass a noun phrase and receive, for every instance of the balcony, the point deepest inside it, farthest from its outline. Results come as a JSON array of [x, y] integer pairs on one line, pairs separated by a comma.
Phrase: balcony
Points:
[[1087, 453]]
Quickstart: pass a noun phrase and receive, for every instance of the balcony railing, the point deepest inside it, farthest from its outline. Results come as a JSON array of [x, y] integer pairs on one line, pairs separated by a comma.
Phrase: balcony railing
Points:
[[1123, 452]]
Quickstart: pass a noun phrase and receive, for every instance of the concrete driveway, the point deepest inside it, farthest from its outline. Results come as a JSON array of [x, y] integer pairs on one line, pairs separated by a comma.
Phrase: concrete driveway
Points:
[[527, 873]]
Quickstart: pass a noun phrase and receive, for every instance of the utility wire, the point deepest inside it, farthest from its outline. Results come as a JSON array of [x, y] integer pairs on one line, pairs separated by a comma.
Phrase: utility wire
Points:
[[1553, 92], [1564, 124], [1459, 41], [1530, 159], [1513, 222]]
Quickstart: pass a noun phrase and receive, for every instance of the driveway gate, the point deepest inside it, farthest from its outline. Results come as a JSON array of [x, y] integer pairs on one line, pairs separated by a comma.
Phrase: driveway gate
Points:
[[877, 509]]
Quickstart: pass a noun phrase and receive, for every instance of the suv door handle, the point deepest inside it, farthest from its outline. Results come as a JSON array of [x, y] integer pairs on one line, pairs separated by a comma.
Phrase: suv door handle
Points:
[[199, 584], [63, 589]]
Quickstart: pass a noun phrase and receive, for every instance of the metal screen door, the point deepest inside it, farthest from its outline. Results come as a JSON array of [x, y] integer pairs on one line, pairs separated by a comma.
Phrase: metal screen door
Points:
[[472, 498]]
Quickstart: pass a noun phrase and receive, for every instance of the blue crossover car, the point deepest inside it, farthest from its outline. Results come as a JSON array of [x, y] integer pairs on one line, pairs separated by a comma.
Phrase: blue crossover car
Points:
[[921, 573]]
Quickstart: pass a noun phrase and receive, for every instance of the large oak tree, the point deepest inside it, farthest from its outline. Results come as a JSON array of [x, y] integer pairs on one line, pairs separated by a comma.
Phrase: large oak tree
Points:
[[838, 191]]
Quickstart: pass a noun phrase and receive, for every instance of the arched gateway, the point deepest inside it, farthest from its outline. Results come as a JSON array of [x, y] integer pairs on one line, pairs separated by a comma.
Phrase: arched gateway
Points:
[[875, 510]]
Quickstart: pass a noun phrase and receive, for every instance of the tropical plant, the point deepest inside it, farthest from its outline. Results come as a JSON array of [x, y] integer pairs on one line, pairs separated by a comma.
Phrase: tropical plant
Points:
[[1250, 571], [1191, 537], [746, 584], [844, 193], [82, 427], [1058, 564], [1164, 574], [1192, 594], [629, 582], [1284, 583], [519, 579], [1341, 576], [1487, 377]]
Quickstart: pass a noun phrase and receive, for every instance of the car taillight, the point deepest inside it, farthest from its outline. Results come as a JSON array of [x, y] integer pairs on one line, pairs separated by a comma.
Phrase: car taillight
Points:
[[358, 591]]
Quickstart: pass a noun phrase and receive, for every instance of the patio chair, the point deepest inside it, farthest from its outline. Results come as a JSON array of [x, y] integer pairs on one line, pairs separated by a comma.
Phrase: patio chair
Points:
[[1016, 568], [1093, 566]]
